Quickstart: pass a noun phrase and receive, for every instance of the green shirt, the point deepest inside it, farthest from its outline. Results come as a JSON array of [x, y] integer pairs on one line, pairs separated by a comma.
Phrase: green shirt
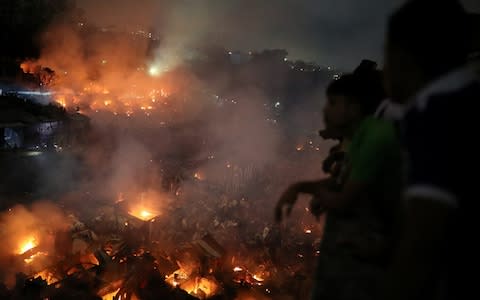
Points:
[[373, 152], [373, 159]]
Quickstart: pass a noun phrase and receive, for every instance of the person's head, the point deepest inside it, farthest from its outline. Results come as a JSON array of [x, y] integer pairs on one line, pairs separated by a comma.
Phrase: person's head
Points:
[[425, 40], [353, 97]]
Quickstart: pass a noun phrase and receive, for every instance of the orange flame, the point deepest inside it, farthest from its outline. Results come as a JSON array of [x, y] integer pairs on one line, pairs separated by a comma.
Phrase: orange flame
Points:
[[34, 256], [48, 276], [143, 213], [27, 244], [110, 296]]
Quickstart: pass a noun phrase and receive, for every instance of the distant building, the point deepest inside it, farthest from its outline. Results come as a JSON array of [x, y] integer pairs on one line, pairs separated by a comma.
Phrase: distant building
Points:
[[30, 126], [239, 57]]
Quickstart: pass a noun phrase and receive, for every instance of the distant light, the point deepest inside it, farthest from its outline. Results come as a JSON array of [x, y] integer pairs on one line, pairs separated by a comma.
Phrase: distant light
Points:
[[277, 105], [153, 71], [285, 59], [33, 153], [229, 52]]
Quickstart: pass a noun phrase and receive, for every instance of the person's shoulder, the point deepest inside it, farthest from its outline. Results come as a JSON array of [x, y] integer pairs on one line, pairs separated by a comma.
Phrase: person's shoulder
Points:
[[380, 127], [450, 105], [455, 98], [380, 132]]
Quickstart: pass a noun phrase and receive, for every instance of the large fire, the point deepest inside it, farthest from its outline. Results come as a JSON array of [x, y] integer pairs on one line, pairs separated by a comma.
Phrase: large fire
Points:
[[143, 91], [27, 244]]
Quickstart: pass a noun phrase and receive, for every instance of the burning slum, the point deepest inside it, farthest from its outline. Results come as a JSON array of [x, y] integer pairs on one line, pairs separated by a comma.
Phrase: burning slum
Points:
[[141, 248], [169, 193]]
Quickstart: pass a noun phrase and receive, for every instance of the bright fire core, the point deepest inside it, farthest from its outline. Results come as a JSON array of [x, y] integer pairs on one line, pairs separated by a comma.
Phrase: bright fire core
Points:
[[143, 214], [27, 244]]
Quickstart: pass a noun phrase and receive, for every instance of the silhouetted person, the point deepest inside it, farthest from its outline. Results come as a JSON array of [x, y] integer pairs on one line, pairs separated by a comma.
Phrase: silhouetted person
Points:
[[474, 55], [426, 50], [359, 229]]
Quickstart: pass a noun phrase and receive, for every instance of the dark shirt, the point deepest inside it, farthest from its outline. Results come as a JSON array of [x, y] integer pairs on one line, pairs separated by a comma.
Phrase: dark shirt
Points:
[[437, 132]]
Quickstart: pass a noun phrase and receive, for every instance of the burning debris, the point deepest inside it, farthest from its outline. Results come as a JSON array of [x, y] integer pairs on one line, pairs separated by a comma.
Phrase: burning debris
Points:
[[123, 253]]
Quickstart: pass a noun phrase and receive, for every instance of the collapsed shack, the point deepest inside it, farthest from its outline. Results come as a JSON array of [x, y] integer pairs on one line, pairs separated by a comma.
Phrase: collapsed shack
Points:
[[123, 254]]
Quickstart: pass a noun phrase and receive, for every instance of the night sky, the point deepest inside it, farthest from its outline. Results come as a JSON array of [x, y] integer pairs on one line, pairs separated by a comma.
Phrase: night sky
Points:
[[334, 32]]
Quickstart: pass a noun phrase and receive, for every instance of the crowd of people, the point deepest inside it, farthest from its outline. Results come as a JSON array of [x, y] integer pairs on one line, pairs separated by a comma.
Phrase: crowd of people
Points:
[[398, 195]]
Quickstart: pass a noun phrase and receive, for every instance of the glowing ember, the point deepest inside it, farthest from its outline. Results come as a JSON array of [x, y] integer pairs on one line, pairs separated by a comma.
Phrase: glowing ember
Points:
[[200, 284], [27, 244], [111, 295], [176, 277], [258, 278], [243, 276], [198, 176], [48, 276], [144, 214]]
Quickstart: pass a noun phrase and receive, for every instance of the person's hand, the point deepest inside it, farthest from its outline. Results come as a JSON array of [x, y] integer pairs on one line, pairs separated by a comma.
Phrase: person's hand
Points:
[[286, 202]]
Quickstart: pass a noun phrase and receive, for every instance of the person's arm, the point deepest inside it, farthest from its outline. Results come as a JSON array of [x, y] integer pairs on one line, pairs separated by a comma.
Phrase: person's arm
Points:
[[328, 199], [289, 197], [367, 161]]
